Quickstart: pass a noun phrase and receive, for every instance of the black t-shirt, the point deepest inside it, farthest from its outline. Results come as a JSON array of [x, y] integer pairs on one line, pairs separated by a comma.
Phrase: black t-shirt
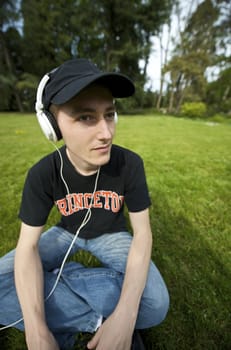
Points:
[[121, 180]]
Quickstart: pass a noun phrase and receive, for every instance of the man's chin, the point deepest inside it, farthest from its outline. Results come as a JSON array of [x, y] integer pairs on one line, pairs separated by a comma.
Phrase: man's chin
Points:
[[104, 160]]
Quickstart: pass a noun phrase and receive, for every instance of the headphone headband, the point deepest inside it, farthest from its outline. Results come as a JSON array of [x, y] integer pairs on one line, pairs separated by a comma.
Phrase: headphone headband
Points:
[[39, 104]]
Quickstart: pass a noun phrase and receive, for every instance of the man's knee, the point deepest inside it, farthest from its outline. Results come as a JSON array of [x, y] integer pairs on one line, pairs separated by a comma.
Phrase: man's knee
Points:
[[155, 300], [160, 306], [7, 262]]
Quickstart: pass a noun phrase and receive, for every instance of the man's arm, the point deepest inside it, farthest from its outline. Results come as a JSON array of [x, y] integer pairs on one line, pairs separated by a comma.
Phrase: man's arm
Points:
[[116, 332], [29, 285]]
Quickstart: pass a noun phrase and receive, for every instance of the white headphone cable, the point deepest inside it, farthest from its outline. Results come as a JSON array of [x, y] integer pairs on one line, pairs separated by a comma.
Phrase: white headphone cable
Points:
[[84, 222], [61, 167]]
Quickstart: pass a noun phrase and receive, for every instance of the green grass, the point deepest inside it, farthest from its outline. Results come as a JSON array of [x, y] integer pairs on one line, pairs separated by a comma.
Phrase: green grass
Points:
[[188, 168]]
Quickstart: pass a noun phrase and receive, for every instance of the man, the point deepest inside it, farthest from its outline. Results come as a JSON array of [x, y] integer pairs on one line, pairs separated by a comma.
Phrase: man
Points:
[[89, 180]]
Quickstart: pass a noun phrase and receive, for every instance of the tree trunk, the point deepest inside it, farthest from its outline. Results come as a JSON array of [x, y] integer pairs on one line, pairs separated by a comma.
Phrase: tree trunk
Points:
[[171, 101], [226, 93], [158, 104], [163, 62]]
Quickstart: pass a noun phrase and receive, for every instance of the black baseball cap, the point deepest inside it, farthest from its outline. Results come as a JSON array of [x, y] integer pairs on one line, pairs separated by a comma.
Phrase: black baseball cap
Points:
[[74, 75]]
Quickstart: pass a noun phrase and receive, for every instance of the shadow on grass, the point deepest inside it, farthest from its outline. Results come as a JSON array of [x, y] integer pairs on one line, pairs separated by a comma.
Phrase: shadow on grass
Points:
[[198, 283]]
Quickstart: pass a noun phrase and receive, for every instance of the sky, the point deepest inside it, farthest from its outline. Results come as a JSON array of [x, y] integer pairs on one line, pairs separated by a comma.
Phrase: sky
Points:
[[154, 67]]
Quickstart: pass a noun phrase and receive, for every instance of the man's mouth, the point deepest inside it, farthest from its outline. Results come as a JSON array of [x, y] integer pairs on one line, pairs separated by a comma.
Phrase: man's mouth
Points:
[[103, 148]]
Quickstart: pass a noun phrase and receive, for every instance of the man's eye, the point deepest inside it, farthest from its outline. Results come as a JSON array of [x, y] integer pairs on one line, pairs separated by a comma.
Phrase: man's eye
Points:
[[86, 118], [110, 116]]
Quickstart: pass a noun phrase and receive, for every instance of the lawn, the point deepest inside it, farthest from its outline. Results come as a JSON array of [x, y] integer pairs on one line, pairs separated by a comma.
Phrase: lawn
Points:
[[188, 168]]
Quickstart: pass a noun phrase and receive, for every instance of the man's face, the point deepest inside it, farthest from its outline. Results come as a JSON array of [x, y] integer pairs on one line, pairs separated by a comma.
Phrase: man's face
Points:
[[87, 125]]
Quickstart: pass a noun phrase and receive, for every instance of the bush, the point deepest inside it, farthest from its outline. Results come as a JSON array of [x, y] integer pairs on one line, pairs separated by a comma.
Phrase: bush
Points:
[[194, 110], [220, 118]]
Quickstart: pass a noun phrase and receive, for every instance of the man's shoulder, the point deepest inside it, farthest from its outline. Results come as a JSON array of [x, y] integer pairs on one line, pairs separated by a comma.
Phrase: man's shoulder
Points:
[[46, 163], [119, 151], [122, 159]]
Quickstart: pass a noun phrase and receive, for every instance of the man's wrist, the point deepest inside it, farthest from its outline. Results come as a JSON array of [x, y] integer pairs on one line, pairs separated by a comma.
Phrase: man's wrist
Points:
[[125, 313]]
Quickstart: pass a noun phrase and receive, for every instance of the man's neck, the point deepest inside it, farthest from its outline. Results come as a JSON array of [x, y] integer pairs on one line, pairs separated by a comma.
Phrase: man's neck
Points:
[[85, 171]]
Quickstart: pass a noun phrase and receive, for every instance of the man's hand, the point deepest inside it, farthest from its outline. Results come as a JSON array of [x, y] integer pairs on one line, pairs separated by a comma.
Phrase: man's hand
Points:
[[42, 342], [115, 333]]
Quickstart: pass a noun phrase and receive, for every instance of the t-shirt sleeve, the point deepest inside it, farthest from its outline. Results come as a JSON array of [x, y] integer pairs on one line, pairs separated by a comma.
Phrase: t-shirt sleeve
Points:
[[37, 199], [136, 194]]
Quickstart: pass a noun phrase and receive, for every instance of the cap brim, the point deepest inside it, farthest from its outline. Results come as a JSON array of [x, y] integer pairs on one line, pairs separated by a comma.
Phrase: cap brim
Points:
[[119, 85]]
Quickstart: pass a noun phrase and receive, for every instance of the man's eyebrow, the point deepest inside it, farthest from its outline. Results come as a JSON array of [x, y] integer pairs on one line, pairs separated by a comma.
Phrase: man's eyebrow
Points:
[[92, 110]]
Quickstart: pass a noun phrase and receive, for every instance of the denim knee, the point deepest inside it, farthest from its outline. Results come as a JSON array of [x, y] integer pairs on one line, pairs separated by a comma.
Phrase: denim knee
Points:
[[154, 303], [7, 262], [160, 306]]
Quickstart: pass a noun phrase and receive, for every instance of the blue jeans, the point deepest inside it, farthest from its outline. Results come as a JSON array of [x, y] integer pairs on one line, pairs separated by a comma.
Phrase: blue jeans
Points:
[[83, 294]]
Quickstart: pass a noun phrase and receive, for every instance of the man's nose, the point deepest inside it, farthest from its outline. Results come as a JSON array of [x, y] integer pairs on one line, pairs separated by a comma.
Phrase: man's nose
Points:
[[104, 129]]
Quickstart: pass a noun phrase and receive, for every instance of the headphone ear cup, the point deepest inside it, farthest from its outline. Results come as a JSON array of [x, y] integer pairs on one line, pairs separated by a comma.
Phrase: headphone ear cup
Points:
[[116, 117], [54, 125], [49, 126], [46, 119]]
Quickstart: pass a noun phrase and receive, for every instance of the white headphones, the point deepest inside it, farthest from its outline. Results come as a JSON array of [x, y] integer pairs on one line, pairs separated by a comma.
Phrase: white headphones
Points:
[[45, 118]]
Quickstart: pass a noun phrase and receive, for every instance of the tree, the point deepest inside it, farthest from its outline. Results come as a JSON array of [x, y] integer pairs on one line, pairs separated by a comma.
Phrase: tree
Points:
[[193, 54], [164, 51], [9, 45], [121, 31], [223, 28], [218, 93], [47, 34], [116, 34]]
